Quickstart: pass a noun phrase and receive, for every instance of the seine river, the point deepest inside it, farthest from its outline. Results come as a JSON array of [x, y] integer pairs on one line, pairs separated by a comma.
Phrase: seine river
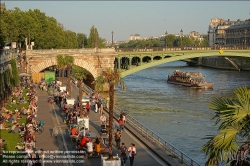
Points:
[[178, 114]]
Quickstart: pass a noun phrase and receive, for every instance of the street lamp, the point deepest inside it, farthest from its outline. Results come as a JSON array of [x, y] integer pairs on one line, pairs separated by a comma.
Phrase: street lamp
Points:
[[245, 38], [166, 34], [96, 44], [83, 42], [181, 36], [112, 39]]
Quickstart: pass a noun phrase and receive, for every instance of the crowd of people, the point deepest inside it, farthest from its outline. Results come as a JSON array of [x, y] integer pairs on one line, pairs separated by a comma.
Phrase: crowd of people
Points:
[[78, 133], [26, 131]]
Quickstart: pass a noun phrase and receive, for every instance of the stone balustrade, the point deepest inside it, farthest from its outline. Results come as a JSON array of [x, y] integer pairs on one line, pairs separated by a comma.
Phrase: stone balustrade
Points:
[[71, 51]]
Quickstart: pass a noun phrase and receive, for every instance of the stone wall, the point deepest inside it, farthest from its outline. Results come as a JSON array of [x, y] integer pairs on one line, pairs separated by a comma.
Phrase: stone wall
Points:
[[222, 63]]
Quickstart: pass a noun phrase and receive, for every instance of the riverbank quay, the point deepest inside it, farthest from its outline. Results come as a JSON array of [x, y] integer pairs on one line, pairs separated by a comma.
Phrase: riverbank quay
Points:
[[162, 149], [144, 155], [53, 117]]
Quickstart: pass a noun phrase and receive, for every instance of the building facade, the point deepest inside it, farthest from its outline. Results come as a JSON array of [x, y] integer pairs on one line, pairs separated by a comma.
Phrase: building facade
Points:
[[212, 30], [238, 34], [228, 33], [2, 6], [135, 37], [220, 32]]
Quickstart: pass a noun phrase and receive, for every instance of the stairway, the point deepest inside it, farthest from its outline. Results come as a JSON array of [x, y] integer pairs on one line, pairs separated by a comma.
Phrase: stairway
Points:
[[233, 63]]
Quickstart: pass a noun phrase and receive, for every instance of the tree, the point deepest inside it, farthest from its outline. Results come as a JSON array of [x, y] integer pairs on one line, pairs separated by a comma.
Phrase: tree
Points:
[[93, 37], [170, 40], [80, 74], [112, 78], [60, 60], [204, 42], [81, 40], [233, 116], [69, 63]]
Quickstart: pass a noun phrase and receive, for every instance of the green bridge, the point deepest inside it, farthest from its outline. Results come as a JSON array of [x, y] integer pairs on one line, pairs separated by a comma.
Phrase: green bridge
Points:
[[131, 62]]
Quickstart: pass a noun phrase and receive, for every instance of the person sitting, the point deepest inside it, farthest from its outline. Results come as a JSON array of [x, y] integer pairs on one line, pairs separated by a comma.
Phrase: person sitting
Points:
[[97, 147], [22, 100], [3, 126], [89, 147], [2, 142], [82, 143], [14, 101], [74, 132], [14, 128], [22, 129]]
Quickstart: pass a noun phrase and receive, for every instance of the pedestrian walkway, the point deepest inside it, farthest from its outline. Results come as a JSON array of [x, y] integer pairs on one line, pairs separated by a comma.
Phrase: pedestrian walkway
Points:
[[53, 116]]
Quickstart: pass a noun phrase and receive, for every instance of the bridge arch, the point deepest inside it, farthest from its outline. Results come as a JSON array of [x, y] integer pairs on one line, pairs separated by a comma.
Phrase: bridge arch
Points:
[[52, 62], [182, 55]]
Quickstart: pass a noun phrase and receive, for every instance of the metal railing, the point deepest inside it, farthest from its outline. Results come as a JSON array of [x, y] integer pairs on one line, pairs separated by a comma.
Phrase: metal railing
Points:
[[151, 49], [150, 135]]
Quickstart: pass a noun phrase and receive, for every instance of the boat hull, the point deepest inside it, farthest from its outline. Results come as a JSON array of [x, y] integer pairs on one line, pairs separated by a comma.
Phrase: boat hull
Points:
[[196, 85]]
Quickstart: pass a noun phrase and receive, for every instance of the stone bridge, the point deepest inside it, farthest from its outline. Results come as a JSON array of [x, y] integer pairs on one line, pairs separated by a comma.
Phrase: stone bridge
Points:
[[93, 60]]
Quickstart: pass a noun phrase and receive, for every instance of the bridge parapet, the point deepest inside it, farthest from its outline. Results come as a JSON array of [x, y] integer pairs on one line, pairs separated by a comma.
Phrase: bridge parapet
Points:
[[71, 51], [153, 49]]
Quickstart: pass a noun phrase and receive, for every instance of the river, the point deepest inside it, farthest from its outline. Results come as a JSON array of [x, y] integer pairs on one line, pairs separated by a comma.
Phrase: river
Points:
[[178, 114]]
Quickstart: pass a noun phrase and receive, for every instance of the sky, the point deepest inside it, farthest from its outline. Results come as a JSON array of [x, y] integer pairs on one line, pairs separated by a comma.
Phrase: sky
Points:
[[147, 18]]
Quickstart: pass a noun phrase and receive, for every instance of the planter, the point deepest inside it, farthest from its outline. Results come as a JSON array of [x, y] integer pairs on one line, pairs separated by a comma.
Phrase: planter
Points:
[[84, 121], [71, 101], [115, 162], [62, 88]]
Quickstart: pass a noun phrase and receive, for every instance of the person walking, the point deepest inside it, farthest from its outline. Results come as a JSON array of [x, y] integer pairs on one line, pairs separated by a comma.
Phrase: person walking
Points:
[[123, 149], [121, 124], [118, 138], [103, 119], [132, 153]]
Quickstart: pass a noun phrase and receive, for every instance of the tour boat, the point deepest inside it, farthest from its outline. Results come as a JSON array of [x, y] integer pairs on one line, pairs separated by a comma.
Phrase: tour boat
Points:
[[190, 79]]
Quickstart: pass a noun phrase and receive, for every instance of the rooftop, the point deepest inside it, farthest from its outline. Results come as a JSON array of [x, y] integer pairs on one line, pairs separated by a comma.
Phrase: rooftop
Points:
[[245, 24]]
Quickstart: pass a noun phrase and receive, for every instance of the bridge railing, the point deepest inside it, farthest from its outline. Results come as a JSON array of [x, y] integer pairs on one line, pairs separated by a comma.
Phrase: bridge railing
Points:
[[65, 51], [150, 49], [150, 135]]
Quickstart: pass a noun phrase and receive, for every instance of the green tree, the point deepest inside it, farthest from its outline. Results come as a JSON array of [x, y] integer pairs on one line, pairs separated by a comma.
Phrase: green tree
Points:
[[170, 39], [102, 42], [112, 78], [61, 64], [204, 42], [80, 74], [93, 38], [69, 63], [81, 40], [15, 78], [232, 114]]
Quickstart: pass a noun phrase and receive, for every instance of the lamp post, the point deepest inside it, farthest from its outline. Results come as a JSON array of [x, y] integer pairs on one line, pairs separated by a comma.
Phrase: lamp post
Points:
[[96, 44], [245, 38], [166, 34], [112, 39], [83, 42], [181, 36]]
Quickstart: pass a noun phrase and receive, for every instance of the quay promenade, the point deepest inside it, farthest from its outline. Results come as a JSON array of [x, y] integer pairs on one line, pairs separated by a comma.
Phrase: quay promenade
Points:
[[53, 116]]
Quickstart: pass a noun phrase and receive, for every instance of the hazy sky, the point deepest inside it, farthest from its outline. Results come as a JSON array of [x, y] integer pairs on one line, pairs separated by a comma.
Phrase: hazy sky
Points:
[[147, 18]]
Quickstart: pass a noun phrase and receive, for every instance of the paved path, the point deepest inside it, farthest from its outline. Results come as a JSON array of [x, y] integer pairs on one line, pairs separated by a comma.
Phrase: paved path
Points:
[[53, 116]]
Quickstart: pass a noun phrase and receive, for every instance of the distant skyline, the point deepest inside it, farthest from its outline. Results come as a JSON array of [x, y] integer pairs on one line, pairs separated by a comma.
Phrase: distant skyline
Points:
[[147, 18]]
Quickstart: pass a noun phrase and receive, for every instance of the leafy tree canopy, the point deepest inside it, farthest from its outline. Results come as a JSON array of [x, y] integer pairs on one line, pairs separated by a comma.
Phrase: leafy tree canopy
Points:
[[43, 30]]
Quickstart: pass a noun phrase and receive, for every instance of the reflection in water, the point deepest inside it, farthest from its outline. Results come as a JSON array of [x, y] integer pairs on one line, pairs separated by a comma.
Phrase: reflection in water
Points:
[[177, 113]]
